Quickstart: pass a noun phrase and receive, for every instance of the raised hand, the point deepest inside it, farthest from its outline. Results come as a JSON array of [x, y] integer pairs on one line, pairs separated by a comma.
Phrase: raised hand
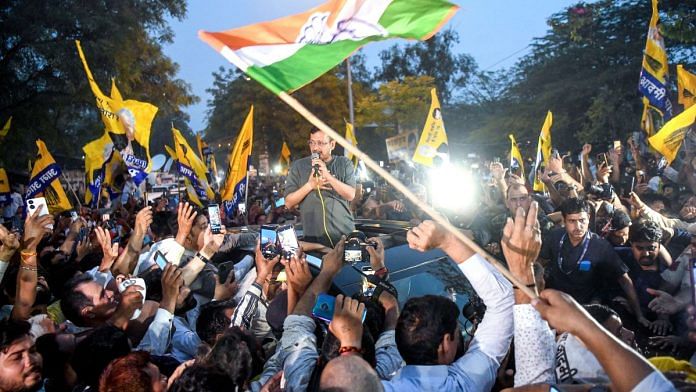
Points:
[[83, 248], [10, 243], [264, 266], [346, 324], [332, 262], [522, 242], [586, 149], [186, 215], [171, 284], [299, 275], [143, 220], [110, 250], [497, 171], [428, 235], [35, 228], [212, 242], [562, 312], [376, 253]]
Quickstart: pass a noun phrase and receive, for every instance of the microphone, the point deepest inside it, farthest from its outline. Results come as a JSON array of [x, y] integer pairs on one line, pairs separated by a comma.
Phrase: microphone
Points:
[[316, 166]]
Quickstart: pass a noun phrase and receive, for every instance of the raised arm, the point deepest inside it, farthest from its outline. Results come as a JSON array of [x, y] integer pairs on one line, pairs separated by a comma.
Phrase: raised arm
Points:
[[126, 262], [34, 231]]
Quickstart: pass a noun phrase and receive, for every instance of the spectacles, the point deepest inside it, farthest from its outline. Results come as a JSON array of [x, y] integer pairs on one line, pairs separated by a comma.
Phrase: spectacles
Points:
[[649, 248], [312, 143]]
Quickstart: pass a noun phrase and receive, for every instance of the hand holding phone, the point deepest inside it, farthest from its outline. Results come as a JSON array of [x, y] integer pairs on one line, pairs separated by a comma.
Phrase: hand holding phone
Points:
[[38, 204], [160, 260], [214, 217]]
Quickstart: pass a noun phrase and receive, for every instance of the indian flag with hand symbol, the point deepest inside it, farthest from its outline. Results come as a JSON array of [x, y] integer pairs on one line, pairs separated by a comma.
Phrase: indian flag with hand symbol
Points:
[[287, 53]]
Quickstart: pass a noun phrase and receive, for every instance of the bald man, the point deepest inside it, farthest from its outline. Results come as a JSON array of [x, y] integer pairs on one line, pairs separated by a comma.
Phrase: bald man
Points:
[[349, 373]]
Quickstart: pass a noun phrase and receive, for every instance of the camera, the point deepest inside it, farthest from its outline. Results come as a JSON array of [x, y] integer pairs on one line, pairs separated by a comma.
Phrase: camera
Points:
[[601, 191], [355, 249]]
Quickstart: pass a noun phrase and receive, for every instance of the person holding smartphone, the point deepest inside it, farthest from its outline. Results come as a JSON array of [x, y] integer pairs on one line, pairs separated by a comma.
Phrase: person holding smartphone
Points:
[[322, 185]]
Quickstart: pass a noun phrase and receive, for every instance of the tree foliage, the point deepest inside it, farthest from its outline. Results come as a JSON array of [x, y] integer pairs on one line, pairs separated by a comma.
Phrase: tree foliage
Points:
[[44, 85]]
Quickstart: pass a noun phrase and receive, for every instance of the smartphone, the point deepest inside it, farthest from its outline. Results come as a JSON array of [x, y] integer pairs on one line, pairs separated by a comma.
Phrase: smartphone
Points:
[[160, 260], [214, 217], [225, 269], [106, 217], [269, 238], [555, 153], [628, 190], [38, 203], [82, 234], [324, 308], [280, 202], [617, 144], [288, 238], [73, 216], [242, 208], [131, 282]]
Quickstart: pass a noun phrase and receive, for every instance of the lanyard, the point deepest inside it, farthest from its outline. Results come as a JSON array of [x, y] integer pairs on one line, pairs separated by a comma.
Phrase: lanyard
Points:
[[585, 245]]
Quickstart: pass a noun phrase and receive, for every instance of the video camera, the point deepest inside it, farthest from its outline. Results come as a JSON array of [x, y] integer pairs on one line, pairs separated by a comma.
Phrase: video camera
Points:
[[355, 249], [601, 191]]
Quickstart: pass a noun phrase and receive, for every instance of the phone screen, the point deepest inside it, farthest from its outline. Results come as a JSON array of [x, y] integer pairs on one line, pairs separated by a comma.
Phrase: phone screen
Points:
[[324, 307], [268, 236], [288, 238], [280, 202], [160, 260], [214, 217], [242, 208]]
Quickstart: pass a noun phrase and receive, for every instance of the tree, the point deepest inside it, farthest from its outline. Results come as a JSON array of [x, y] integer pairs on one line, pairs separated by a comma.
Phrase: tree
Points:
[[274, 122], [432, 58], [44, 84], [585, 70]]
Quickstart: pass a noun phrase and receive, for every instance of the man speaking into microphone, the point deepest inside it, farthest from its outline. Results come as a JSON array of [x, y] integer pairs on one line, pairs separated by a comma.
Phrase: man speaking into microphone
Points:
[[323, 186]]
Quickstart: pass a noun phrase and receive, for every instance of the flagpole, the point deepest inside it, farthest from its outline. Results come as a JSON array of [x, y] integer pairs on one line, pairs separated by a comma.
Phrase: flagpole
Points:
[[246, 197], [351, 114], [71, 190], [314, 120]]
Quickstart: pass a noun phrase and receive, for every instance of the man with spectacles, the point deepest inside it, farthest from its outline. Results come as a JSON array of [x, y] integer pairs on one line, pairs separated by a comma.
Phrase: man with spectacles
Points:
[[323, 188], [581, 263]]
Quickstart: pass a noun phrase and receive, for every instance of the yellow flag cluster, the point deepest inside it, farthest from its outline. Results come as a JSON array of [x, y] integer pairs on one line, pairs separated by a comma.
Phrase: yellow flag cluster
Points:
[[207, 157], [516, 156], [127, 123], [238, 165], [193, 170], [669, 139], [543, 150], [45, 181], [686, 84], [432, 149]]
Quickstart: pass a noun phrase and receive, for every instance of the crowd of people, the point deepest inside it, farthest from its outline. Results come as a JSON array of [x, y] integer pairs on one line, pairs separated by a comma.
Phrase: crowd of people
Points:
[[146, 297]]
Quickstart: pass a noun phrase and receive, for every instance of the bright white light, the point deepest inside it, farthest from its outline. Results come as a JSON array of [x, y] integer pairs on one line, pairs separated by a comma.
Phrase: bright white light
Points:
[[277, 169], [452, 188]]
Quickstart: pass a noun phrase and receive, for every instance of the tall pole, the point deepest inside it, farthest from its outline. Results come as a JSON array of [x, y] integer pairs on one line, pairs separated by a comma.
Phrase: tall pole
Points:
[[246, 197], [351, 114]]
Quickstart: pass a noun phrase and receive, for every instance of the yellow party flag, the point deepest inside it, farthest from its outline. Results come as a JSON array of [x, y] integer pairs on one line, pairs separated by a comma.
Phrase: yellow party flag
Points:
[[192, 168], [207, 157], [285, 158], [432, 149], [45, 181], [543, 150], [4, 188], [127, 122], [5, 129], [170, 151], [97, 153], [686, 84], [669, 139], [350, 137], [653, 73], [516, 157], [236, 178]]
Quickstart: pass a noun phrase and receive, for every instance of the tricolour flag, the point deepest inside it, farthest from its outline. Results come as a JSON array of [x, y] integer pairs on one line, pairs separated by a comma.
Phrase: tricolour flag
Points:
[[98, 153], [668, 140], [432, 149], [4, 188], [45, 181], [236, 177], [127, 122], [543, 151], [287, 53], [686, 84], [653, 73], [6, 128], [193, 170], [516, 156], [285, 158], [350, 137]]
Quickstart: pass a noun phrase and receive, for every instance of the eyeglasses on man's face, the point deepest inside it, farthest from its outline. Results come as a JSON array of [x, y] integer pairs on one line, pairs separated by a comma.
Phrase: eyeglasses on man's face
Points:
[[312, 143]]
